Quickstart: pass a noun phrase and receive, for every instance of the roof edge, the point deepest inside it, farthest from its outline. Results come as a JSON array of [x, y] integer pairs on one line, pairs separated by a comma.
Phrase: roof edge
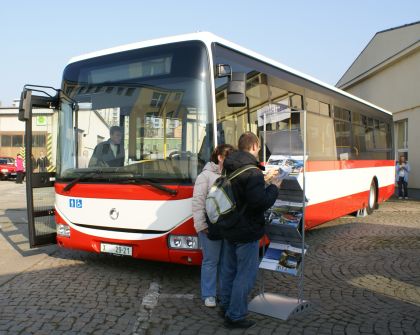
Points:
[[370, 41], [385, 63], [205, 36], [398, 27]]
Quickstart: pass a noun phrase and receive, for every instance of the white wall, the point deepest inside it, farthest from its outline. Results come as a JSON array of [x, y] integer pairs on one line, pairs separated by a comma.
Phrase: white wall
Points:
[[397, 89]]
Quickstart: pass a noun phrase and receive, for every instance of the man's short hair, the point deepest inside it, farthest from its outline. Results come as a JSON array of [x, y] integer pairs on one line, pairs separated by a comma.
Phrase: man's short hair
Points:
[[247, 140], [114, 129]]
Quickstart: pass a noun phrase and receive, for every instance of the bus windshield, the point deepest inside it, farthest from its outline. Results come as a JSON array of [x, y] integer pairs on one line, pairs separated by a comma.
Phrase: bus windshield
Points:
[[143, 113]]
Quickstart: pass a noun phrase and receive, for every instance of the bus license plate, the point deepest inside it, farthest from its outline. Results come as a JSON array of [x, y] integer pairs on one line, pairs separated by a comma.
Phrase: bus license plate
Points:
[[117, 249]]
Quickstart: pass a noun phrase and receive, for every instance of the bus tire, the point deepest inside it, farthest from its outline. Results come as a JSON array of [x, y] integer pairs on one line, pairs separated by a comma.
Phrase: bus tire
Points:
[[373, 192]]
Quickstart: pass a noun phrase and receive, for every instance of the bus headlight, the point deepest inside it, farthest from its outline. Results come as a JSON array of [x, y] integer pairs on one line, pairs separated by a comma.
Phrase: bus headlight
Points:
[[4, 170], [63, 230], [183, 242]]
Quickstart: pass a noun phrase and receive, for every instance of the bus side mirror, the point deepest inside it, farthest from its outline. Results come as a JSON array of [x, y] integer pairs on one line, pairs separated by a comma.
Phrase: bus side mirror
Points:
[[25, 105], [236, 90]]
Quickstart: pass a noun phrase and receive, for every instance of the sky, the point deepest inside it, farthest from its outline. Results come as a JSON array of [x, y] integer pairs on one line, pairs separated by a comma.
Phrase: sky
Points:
[[318, 37]]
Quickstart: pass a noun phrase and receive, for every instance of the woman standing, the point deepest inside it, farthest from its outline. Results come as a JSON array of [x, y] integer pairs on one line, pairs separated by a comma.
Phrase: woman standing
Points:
[[20, 170], [211, 241], [402, 171]]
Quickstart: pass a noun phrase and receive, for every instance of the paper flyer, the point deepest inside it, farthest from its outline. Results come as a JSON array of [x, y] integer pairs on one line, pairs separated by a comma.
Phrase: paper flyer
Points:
[[282, 258]]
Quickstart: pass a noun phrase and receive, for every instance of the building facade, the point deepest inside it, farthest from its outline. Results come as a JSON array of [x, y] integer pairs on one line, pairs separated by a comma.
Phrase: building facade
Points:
[[387, 73], [12, 133], [94, 129]]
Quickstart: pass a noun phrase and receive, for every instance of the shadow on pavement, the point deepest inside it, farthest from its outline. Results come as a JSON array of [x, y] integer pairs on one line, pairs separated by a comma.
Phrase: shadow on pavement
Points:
[[14, 229]]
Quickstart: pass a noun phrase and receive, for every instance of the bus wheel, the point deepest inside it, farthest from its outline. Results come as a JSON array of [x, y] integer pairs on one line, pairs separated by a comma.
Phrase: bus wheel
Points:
[[372, 198]]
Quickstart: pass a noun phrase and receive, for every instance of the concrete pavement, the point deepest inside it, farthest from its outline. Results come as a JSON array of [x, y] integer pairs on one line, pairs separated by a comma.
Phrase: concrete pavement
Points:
[[16, 256], [362, 276]]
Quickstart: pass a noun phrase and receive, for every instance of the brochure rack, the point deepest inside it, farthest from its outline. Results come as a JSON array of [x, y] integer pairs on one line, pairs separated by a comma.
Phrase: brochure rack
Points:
[[285, 223]]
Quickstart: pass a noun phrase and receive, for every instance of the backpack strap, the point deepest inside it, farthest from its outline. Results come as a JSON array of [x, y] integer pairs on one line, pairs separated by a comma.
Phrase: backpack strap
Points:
[[236, 173], [239, 171]]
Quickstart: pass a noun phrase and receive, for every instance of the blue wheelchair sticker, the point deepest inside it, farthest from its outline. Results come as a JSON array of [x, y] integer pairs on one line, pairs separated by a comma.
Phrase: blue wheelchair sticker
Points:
[[75, 203]]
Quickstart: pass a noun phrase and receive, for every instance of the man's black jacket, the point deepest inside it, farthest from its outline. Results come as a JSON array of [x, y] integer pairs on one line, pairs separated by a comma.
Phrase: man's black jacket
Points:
[[252, 198]]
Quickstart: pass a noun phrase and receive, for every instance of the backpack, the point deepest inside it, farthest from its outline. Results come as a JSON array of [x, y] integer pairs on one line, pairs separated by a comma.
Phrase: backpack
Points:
[[221, 206]]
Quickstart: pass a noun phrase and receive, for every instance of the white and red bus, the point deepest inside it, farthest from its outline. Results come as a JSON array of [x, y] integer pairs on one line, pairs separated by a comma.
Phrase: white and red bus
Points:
[[174, 99]]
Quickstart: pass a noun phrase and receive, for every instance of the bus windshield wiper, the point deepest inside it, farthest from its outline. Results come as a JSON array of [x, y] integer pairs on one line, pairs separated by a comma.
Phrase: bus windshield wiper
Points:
[[95, 173], [126, 179], [140, 180], [82, 176]]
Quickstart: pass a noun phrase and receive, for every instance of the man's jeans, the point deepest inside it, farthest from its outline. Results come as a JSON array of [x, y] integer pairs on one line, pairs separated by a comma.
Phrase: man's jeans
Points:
[[237, 277], [210, 265]]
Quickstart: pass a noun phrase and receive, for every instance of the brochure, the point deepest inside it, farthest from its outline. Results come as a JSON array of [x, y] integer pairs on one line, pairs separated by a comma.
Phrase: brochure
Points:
[[275, 175], [292, 165], [283, 258], [284, 215]]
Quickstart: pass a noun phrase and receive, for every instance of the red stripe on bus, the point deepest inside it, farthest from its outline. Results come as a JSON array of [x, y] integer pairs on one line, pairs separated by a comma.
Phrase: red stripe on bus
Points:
[[128, 192], [332, 209], [313, 166]]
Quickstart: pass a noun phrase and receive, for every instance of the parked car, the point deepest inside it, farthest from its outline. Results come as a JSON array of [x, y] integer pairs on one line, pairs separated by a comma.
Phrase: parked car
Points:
[[7, 168]]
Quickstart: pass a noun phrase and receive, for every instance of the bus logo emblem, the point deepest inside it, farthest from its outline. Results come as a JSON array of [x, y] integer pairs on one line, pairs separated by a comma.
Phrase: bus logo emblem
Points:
[[113, 214], [75, 203]]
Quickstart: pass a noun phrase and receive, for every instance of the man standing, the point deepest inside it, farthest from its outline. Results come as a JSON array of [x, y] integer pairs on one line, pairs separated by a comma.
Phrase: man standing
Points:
[[42, 162], [33, 163], [110, 152], [241, 245]]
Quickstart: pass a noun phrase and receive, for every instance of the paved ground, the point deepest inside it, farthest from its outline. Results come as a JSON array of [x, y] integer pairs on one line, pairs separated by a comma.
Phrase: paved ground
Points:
[[361, 276]]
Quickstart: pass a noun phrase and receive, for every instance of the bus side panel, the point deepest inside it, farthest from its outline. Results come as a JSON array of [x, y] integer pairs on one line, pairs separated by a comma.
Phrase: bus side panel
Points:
[[386, 192], [321, 212]]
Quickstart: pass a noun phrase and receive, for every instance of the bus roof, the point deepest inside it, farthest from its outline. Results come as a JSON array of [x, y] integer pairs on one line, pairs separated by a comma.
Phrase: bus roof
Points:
[[209, 38]]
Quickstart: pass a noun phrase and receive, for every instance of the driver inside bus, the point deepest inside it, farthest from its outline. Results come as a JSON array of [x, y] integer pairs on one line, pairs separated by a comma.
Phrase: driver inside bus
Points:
[[109, 153]]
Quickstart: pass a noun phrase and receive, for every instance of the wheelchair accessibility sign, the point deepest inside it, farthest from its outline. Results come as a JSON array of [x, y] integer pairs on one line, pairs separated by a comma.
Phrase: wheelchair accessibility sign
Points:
[[75, 203]]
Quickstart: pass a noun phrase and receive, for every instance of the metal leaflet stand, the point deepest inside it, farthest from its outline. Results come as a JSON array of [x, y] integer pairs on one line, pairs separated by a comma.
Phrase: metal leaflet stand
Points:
[[276, 305]]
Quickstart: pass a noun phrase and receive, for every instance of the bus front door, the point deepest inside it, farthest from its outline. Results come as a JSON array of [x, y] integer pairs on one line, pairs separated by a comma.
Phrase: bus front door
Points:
[[40, 142]]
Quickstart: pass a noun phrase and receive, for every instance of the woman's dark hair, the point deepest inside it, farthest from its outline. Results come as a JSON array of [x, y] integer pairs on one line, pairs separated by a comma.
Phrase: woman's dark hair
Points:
[[223, 150]]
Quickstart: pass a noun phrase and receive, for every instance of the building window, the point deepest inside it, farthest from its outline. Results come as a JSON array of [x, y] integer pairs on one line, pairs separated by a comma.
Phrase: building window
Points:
[[402, 137], [157, 99], [38, 141], [12, 141], [17, 141], [6, 140]]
